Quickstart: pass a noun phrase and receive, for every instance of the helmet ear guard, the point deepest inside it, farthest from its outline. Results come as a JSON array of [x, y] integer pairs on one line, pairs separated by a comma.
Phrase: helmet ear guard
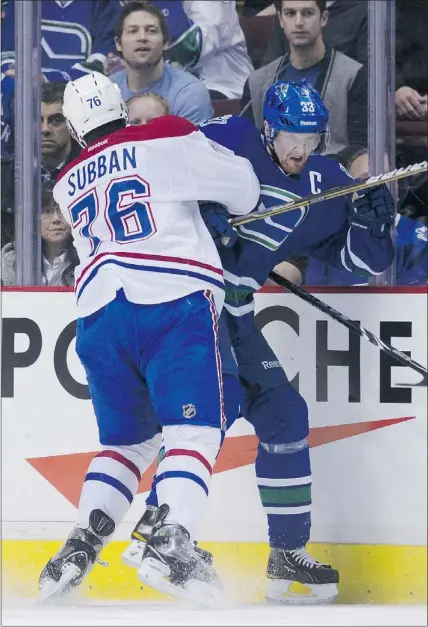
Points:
[[324, 142], [73, 133]]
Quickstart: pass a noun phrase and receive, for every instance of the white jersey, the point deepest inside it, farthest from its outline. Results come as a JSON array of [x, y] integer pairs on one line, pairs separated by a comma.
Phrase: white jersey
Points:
[[131, 200], [224, 64]]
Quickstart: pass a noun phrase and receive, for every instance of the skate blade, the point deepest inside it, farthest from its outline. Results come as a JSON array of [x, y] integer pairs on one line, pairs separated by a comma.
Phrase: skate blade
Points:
[[294, 593], [194, 591], [54, 589], [133, 554]]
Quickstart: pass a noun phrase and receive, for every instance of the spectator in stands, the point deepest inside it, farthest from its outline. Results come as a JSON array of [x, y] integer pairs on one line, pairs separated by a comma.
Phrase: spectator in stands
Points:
[[141, 38], [146, 107], [346, 31], [7, 114], [207, 40], [57, 147], [76, 36], [340, 80], [59, 257], [411, 59], [414, 202], [7, 199]]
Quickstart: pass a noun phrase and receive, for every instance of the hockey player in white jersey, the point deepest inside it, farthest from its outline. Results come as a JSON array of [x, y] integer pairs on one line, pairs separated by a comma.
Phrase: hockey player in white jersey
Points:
[[149, 289]]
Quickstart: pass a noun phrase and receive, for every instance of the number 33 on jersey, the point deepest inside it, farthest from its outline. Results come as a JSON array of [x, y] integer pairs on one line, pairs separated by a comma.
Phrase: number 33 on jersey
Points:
[[130, 200]]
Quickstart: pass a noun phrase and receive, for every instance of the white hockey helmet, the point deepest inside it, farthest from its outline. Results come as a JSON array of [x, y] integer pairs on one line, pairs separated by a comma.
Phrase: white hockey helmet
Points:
[[90, 102]]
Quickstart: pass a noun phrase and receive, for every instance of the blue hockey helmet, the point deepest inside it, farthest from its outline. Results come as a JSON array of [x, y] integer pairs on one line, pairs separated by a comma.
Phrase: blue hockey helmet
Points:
[[295, 108]]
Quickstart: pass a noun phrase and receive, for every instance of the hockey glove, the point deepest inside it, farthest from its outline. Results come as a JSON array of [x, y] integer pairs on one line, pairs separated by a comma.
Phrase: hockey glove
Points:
[[375, 209], [216, 218]]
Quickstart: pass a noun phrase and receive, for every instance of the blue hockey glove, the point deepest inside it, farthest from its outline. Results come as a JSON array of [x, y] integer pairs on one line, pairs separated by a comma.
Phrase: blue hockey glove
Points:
[[216, 218], [374, 209]]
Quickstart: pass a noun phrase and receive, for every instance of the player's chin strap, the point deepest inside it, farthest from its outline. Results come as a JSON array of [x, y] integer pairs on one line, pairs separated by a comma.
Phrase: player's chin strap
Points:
[[354, 326], [334, 192]]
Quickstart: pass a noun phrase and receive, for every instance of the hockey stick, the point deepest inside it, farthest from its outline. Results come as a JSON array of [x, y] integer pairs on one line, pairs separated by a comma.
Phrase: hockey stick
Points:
[[334, 192], [356, 327]]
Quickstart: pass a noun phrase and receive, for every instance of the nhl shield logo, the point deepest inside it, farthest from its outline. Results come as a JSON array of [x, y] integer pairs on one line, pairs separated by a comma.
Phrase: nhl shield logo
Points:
[[189, 410]]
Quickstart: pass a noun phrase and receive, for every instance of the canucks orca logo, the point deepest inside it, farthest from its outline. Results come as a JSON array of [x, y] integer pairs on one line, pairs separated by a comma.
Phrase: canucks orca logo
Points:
[[281, 89], [271, 232]]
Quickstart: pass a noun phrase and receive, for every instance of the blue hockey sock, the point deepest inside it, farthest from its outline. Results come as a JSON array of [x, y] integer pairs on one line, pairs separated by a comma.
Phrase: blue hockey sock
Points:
[[284, 482], [152, 499]]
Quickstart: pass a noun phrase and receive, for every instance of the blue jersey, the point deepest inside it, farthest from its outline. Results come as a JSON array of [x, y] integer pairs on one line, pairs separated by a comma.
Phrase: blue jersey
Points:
[[411, 259], [179, 24], [185, 36], [7, 115], [76, 37], [325, 230], [74, 33]]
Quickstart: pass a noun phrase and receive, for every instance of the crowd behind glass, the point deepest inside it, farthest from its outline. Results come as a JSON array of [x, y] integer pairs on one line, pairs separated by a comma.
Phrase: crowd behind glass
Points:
[[217, 58]]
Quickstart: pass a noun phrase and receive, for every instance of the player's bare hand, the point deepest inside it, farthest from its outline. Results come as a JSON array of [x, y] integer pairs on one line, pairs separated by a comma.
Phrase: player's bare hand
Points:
[[410, 104], [113, 63]]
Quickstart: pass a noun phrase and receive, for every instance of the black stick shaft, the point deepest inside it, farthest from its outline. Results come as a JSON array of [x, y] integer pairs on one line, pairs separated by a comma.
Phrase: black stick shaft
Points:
[[356, 327]]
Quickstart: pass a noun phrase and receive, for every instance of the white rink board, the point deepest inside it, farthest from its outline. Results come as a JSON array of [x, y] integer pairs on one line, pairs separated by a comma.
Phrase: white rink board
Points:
[[370, 488]]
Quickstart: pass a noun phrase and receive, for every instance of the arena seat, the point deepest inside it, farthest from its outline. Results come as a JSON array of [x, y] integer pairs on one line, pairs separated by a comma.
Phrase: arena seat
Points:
[[412, 128], [226, 107], [257, 30]]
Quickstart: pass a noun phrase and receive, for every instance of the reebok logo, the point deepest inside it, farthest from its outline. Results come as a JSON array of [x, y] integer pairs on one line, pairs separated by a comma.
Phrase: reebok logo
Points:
[[97, 145], [307, 123], [271, 364]]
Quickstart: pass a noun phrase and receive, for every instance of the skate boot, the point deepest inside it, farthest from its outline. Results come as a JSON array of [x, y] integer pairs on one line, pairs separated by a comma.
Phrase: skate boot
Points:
[[133, 554], [295, 577], [171, 564], [76, 558]]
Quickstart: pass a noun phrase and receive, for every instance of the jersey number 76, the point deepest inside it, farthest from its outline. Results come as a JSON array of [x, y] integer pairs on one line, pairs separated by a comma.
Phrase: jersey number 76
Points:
[[127, 216]]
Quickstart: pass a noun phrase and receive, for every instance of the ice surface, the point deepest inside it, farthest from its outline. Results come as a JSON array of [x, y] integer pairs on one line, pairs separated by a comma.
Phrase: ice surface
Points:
[[153, 614]]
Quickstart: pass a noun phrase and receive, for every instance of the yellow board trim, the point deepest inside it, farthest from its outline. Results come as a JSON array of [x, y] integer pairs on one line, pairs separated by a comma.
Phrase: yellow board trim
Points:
[[381, 574]]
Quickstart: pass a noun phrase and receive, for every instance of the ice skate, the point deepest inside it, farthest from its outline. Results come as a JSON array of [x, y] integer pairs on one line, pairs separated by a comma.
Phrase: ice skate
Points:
[[295, 577], [171, 564], [133, 554], [76, 558]]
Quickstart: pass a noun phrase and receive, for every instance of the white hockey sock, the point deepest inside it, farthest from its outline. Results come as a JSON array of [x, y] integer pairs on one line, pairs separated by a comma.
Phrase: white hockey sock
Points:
[[183, 476], [113, 478]]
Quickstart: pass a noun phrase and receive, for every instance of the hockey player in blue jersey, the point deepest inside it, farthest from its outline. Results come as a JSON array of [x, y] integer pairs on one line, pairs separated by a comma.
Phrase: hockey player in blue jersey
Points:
[[350, 233]]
